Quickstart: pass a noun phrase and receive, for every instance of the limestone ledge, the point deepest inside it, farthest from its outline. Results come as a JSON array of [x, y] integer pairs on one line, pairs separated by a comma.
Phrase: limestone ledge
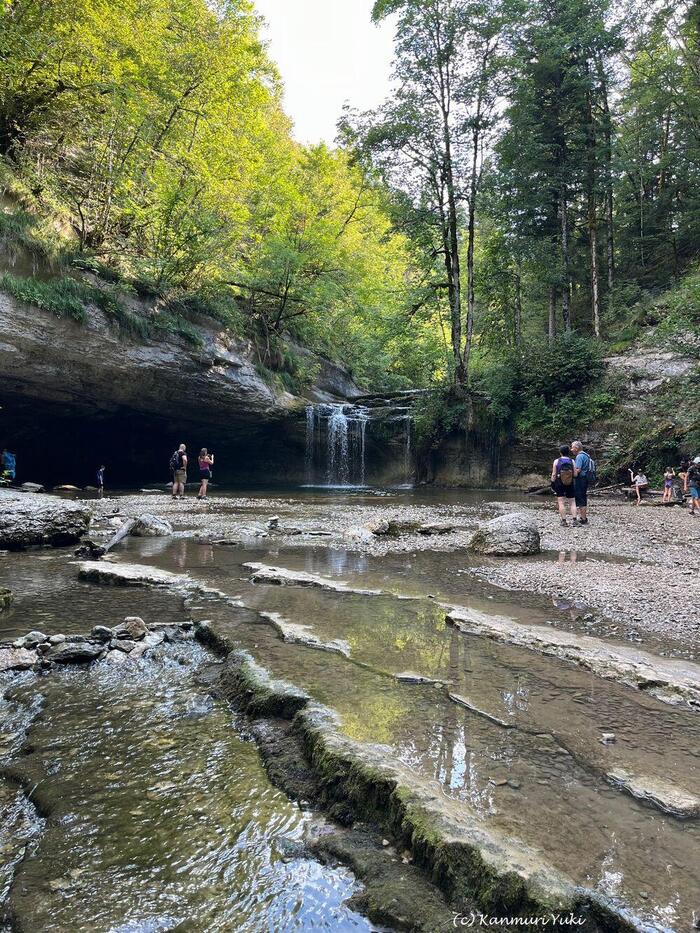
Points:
[[671, 681]]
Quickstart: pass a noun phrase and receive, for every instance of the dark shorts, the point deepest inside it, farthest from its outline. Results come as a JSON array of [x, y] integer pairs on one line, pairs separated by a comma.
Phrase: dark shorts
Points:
[[205, 474], [563, 492], [581, 491]]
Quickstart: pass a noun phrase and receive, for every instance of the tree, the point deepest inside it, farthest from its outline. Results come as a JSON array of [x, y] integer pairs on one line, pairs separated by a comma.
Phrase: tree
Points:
[[429, 140]]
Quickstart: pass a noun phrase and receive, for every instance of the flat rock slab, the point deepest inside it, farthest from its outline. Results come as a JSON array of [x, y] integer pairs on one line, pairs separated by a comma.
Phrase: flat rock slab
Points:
[[17, 659], [129, 575], [31, 519], [658, 793], [279, 576], [673, 681], [510, 535], [297, 634]]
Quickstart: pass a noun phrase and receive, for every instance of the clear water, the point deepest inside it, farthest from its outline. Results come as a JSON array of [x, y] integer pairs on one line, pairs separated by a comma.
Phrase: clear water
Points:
[[96, 732], [159, 815]]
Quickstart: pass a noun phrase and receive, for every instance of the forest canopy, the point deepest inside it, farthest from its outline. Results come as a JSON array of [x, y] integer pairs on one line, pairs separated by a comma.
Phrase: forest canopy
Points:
[[534, 175]]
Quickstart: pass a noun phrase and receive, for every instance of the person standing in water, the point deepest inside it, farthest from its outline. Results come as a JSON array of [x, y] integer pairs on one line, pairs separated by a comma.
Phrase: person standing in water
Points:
[[101, 481], [563, 473], [206, 462]]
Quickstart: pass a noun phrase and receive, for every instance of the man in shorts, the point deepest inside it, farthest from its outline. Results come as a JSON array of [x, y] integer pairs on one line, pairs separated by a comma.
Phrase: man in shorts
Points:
[[582, 469], [563, 474], [180, 472]]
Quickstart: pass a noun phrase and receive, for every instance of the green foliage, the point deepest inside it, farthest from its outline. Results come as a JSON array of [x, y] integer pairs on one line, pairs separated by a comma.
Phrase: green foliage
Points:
[[547, 389], [437, 414], [63, 297]]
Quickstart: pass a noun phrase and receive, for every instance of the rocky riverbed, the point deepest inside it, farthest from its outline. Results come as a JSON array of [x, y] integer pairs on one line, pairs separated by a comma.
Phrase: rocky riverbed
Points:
[[631, 572], [474, 743]]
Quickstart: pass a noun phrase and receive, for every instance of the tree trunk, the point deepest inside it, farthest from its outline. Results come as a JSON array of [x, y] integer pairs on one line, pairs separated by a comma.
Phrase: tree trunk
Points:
[[566, 260], [609, 196], [552, 328], [592, 214]]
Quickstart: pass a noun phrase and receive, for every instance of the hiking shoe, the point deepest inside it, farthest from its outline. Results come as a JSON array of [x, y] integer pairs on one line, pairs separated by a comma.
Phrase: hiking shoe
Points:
[[576, 521], [583, 521], [564, 522]]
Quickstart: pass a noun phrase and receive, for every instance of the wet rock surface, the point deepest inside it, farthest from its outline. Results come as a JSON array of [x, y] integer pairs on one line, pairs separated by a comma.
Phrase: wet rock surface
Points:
[[674, 682], [27, 520], [132, 639]]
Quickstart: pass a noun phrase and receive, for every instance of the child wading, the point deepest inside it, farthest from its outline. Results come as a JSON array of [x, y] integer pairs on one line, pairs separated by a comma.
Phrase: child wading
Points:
[[563, 472]]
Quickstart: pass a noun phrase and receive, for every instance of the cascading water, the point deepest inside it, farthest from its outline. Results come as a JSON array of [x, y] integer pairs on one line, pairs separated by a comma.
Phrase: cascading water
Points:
[[407, 453], [336, 444]]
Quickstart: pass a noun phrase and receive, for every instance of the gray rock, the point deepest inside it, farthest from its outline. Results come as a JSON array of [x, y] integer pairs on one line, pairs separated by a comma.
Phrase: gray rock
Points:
[[56, 639], [115, 657], [101, 633], [32, 639], [74, 652], [32, 487], [17, 659], [150, 526], [657, 792], [359, 534], [38, 519], [132, 627], [513, 534], [5, 598], [125, 644]]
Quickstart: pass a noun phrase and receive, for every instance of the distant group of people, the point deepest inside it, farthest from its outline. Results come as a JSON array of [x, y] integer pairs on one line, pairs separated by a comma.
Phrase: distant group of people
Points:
[[178, 468], [574, 470]]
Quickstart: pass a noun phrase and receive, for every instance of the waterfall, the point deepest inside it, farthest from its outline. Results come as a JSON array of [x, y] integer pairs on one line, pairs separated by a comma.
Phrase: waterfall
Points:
[[338, 473], [310, 438], [336, 444], [407, 453]]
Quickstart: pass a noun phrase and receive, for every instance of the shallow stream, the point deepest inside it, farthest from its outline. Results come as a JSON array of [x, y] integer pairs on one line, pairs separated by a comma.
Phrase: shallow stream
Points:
[[157, 810]]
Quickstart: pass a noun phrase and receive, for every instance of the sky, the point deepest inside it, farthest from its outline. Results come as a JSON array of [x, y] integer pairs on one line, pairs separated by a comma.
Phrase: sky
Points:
[[328, 52]]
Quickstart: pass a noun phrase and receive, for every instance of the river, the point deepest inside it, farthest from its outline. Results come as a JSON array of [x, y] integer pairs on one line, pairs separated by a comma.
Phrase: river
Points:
[[137, 799]]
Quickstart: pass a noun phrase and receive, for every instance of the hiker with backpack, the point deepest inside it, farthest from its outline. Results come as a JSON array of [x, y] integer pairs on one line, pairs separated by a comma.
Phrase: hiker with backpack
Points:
[[178, 468], [584, 475], [563, 474]]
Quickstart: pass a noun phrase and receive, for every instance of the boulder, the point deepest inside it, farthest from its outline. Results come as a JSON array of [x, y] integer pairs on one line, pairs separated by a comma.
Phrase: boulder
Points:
[[32, 487], [358, 534], [74, 652], [39, 519], [30, 640], [150, 526], [101, 633], [132, 627], [5, 598], [508, 535], [17, 659]]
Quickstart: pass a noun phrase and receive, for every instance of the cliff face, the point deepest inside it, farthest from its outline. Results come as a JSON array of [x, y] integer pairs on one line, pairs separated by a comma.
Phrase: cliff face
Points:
[[75, 395]]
